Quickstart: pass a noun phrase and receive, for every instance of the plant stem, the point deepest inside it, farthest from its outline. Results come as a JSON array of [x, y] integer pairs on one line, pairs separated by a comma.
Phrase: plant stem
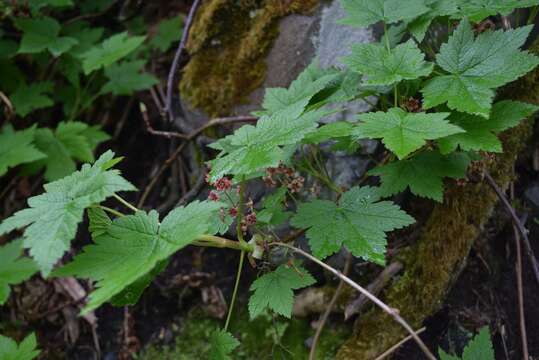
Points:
[[219, 242], [112, 211], [235, 292], [387, 38], [390, 311], [396, 96], [127, 204]]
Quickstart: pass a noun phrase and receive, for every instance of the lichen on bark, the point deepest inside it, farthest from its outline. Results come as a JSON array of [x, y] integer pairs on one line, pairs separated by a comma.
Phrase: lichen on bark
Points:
[[228, 44], [433, 264]]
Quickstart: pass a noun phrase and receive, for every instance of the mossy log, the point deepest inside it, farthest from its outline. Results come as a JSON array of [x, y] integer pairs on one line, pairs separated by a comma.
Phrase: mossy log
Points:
[[433, 264]]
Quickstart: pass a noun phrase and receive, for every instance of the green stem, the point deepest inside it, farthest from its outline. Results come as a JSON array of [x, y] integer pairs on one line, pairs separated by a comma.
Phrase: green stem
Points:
[[219, 242], [112, 211], [396, 91], [533, 14], [235, 292], [387, 38], [241, 210], [127, 204]]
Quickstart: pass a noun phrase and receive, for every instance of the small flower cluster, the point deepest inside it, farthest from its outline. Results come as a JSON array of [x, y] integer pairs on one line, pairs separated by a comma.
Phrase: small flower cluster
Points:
[[286, 176], [412, 105], [222, 187]]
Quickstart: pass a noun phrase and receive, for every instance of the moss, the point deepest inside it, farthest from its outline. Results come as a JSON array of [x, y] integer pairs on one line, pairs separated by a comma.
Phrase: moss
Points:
[[434, 262], [229, 41], [263, 338]]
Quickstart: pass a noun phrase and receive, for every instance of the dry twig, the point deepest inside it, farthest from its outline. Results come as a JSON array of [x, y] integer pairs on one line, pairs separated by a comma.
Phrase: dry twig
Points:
[[177, 57]]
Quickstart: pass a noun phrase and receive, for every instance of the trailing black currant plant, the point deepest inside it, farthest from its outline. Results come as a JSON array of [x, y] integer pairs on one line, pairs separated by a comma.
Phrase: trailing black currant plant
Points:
[[435, 115]]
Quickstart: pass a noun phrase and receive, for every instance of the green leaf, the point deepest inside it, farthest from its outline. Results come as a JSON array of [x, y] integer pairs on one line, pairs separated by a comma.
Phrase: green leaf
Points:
[[109, 51], [52, 218], [419, 26], [71, 141], [43, 34], [86, 36], [169, 31], [423, 174], [362, 13], [127, 77], [16, 147], [133, 245], [477, 66], [26, 350], [251, 149], [403, 132], [335, 130], [358, 221], [479, 348], [28, 98], [274, 290], [480, 132], [222, 345], [383, 67], [272, 212], [13, 268], [310, 82], [477, 10]]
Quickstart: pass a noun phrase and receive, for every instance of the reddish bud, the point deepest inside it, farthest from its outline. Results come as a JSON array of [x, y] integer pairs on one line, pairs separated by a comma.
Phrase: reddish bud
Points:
[[213, 196]]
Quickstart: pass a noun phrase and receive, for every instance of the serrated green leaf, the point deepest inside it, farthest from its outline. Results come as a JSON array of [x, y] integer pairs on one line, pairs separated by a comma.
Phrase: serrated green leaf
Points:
[[479, 348], [133, 245], [477, 66], [14, 269], [362, 13], [478, 10], [86, 36], [383, 67], [43, 34], [423, 174], [251, 149], [69, 142], [480, 132], [418, 27], [310, 82], [331, 131], [109, 51], [272, 212], [169, 31], [403, 132], [26, 350], [222, 345], [358, 221], [31, 97], [274, 290], [16, 147], [8, 48], [127, 77], [52, 218]]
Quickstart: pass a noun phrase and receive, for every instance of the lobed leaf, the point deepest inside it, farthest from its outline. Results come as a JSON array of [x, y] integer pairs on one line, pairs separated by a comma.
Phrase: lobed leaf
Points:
[[14, 269], [52, 218], [358, 221]]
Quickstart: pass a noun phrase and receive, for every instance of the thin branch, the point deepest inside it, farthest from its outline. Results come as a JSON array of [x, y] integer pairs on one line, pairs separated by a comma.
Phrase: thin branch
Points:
[[177, 57], [518, 224], [390, 311], [329, 308], [398, 345], [10, 111], [151, 130], [520, 291], [179, 149], [195, 189]]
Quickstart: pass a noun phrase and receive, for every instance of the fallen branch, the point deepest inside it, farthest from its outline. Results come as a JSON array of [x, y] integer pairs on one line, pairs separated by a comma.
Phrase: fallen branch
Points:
[[398, 345]]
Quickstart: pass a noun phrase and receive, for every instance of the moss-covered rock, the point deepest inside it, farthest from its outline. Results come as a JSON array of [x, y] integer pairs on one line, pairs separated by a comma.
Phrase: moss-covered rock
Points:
[[228, 42]]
